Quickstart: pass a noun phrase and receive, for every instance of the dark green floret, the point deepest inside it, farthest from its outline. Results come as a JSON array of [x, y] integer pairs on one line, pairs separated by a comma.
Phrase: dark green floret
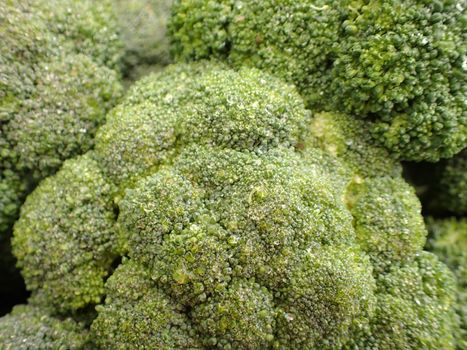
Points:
[[398, 65], [413, 309], [58, 62], [448, 240], [29, 327], [143, 30], [137, 315]]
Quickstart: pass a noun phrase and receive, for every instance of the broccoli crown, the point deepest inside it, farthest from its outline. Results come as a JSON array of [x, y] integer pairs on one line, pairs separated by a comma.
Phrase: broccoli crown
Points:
[[29, 327], [448, 240], [411, 285], [237, 230], [412, 299], [399, 65], [65, 240], [143, 26], [57, 62]]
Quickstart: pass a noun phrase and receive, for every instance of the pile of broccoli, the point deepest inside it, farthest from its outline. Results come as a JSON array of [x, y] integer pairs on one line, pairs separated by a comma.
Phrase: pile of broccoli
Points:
[[250, 195]]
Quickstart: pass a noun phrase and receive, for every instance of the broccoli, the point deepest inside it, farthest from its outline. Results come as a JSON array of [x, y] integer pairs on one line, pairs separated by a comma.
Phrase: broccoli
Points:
[[59, 69], [57, 85], [80, 248], [29, 327], [448, 240], [143, 26], [398, 65], [236, 226], [411, 300]]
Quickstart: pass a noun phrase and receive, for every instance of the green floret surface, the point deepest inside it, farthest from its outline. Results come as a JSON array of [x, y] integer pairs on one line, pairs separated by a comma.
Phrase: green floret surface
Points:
[[170, 113], [398, 65], [413, 308], [65, 240], [347, 138], [29, 327], [448, 240], [88, 27], [59, 119], [387, 218], [12, 190], [238, 228], [143, 27], [59, 64], [138, 315]]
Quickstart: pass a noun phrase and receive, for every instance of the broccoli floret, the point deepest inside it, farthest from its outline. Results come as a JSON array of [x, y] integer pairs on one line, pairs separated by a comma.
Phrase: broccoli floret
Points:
[[237, 230], [166, 115], [65, 239], [60, 117], [57, 85], [448, 240], [88, 27], [29, 327], [347, 138], [390, 229], [12, 190], [203, 246], [386, 211], [413, 308], [387, 218], [138, 315], [242, 317], [398, 65], [143, 26]]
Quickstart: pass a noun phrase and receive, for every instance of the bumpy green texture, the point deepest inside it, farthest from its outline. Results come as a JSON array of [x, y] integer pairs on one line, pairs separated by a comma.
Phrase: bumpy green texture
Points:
[[413, 288], [387, 218], [238, 228], [28, 327], [448, 240], [397, 64], [65, 239], [412, 298], [347, 138], [58, 68], [143, 26], [385, 208], [141, 316]]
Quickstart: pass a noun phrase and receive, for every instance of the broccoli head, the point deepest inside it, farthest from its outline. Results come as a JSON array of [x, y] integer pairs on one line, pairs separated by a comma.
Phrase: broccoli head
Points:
[[143, 27], [65, 240], [57, 62], [29, 327], [413, 308], [398, 65], [237, 231], [448, 240]]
